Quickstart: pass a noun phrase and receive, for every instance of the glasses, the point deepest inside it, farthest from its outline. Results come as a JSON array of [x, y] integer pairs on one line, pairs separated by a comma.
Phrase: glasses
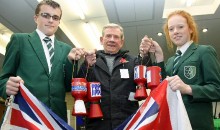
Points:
[[48, 16]]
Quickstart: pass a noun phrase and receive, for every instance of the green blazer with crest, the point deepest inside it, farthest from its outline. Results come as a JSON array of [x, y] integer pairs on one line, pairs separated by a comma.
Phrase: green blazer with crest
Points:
[[25, 57], [199, 68]]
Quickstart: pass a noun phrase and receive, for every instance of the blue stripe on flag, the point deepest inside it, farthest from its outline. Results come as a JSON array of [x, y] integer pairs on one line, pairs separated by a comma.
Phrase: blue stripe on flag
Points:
[[152, 111], [25, 107]]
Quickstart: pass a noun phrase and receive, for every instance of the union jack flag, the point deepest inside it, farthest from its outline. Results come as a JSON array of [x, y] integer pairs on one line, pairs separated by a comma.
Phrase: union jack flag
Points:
[[27, 112], [162, 110]]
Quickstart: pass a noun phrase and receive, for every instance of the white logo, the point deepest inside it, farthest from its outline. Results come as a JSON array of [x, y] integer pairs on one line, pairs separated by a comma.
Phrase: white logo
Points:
[[189, 71]]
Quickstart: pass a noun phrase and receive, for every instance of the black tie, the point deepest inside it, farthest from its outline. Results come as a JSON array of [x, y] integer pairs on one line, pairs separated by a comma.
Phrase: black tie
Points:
[[176, 60], [48, 42]]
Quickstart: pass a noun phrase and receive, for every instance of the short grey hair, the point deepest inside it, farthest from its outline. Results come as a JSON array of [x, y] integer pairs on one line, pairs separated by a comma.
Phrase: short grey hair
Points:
[[113, 25]]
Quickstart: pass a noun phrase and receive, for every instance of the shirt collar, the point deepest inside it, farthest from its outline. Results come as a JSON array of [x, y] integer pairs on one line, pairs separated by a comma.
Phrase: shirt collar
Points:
[[42, 35], [184, 47]]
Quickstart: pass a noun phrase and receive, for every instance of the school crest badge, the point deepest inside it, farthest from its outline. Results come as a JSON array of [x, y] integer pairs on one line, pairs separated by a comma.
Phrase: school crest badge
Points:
[[189, 71]]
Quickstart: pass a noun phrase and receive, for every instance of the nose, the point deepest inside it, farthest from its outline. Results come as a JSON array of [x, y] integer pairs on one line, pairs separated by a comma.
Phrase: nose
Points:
[[51, 19], [175, 30], [112, 38]]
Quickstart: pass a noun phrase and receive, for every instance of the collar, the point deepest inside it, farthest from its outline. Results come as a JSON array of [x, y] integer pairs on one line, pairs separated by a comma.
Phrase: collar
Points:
[[42, 35], [184, 47], [119, 53]]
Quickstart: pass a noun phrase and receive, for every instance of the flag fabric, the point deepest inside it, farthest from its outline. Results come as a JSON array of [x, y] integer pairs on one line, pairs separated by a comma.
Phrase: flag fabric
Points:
[[162, 110], [26, 112]]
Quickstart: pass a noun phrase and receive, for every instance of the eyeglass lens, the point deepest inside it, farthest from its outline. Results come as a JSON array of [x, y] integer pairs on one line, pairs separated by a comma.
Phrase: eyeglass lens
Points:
[[48, 16]]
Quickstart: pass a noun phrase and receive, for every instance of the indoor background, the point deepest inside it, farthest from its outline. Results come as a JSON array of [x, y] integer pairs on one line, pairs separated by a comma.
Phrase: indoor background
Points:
[[82, 22]]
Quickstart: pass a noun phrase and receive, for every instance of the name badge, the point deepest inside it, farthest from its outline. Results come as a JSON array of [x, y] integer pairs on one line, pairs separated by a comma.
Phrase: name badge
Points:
[[124, 73]]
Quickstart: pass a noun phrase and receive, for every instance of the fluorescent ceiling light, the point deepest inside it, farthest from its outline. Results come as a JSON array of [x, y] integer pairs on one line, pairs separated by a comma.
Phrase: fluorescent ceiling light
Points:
[[199, 9], [93, 34], [5, 35], [69, 35], [4, 39], [94, 29], [83, 6], [76, 7], [189, 3], [2, 50]]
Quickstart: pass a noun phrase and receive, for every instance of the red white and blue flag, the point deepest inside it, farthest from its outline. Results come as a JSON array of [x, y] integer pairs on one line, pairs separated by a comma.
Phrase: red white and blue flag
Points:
[[162, 110], [26, 112]]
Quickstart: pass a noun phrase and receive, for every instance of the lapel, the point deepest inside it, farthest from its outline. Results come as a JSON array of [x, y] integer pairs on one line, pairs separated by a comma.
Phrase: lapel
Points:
[[117, 62], [35, 42], [100, 63], [169, 66], [187, 54]]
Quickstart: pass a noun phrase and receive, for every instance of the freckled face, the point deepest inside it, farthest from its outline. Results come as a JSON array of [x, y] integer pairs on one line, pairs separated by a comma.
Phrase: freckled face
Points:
[[179, 30]]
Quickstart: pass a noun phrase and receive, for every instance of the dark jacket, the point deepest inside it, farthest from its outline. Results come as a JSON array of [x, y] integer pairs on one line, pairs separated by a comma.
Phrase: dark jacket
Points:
[[25, 57], [114, 90], [199, 68]]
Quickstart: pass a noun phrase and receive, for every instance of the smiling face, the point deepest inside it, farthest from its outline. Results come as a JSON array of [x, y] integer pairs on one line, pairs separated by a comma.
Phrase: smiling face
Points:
[[112, 40], [47, 25], [179, 30]]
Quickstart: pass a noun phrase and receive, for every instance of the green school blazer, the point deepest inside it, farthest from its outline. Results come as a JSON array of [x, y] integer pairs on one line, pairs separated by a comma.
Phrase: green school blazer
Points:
[[199, 68], [25, 58]]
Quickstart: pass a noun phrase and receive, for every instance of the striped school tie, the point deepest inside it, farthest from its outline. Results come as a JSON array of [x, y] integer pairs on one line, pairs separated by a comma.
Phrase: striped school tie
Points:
[[176, 60], [48, 42]]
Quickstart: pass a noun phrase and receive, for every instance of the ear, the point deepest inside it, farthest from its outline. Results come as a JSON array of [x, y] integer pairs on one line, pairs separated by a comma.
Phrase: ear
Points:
[[35, 18], [101, 40], [122, 42]]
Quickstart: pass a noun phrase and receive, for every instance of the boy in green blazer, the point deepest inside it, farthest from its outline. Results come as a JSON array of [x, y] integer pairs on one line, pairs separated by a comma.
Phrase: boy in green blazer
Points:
[[29, 60]]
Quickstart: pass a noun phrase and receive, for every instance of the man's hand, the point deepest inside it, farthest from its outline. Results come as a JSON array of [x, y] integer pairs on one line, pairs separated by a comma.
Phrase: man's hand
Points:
[[90, 57], [76, 54], [145, 46], [12, 85]]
